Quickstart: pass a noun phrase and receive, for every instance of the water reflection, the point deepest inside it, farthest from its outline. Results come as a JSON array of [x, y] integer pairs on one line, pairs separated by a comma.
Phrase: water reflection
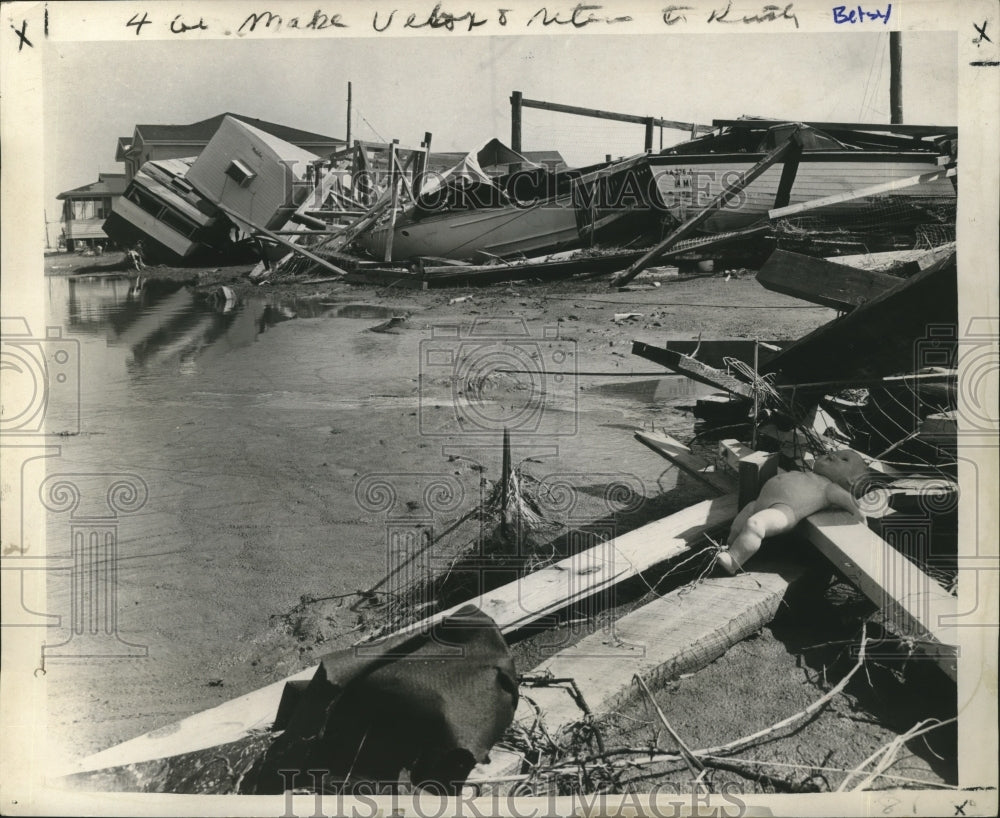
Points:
[[170, 325]]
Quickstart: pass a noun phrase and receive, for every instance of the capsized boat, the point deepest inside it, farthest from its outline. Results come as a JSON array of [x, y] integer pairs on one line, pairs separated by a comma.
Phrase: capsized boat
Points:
[[468, 213]]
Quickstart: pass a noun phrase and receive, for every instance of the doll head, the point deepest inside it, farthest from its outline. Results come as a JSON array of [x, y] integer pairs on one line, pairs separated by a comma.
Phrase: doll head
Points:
[[845, 467]]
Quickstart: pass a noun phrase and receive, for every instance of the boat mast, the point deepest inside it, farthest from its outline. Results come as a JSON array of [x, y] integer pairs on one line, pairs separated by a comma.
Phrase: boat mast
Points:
[[895, 78]]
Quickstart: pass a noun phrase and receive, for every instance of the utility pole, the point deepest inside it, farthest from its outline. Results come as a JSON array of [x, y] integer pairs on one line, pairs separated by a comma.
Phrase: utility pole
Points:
[[895, 78], [348, 140], [515, 121]]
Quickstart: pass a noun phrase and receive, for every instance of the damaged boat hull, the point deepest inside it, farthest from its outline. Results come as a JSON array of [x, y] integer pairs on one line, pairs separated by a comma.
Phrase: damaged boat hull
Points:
[[687, 183], [545, 227]]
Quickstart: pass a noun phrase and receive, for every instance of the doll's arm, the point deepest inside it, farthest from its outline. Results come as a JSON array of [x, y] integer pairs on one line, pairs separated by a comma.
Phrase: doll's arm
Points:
[[842, 498]]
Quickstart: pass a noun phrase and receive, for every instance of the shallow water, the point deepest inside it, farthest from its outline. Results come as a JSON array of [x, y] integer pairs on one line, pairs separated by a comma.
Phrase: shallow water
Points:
[[247, 430]]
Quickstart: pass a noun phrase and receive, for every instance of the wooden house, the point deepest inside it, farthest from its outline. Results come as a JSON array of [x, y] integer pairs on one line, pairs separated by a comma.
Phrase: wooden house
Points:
[[85, 209], [154, 142]]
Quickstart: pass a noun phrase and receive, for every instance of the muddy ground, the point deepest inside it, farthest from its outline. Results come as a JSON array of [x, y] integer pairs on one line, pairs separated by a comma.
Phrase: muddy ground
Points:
[[254, 468]]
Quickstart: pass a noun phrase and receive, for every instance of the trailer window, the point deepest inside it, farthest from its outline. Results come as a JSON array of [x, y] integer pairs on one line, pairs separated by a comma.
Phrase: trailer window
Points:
[[240, 173]]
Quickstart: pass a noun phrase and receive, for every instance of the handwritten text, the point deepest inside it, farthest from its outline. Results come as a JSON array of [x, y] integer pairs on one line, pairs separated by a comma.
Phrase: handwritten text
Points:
[[841, 14]]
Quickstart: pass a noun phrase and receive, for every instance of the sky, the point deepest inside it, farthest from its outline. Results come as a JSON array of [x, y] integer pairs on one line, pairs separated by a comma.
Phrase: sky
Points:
[[459, 89]]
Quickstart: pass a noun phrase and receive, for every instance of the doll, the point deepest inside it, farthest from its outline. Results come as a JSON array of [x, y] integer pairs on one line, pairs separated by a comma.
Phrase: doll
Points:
[[789, 497]]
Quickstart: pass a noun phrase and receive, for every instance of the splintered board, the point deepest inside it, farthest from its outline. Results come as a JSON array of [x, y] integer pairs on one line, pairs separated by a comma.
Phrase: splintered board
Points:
[[823, 282], [914, 601], [680, 632]]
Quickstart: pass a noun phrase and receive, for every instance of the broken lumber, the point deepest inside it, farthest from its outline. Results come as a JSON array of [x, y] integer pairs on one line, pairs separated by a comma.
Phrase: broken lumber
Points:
[[881, 337], [681, 632], [896, 262], [916, 603], [284, 242], [682, 457], [788, 146], [692, 368], [822, 282]]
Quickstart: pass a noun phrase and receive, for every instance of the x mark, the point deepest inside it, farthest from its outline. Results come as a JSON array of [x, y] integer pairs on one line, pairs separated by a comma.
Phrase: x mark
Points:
[[23, 39]]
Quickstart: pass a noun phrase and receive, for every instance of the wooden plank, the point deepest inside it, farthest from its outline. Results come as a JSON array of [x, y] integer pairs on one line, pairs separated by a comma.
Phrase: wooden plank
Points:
[[682, 457], [730, 453], [877, 338], [699, 218], [512, 606], [711, 352], [599, 114], [788, 173], [914, 130], [285, 242], [822, 282], [692, 368], [590, 572], [681, 632], [919, 606], [873, 190]]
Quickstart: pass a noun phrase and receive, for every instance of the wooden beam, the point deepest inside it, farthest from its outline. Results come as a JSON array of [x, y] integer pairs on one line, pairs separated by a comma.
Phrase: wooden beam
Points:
[[730, 453], [682, 457], [912, 130], [916, 603], [597, 569], [596, 113], [877, 338], [712, 352], [694, 369], [873, 190], [789, 171], [393, 203], [702, 215], [681, 632], [823, 282], [284, 242]]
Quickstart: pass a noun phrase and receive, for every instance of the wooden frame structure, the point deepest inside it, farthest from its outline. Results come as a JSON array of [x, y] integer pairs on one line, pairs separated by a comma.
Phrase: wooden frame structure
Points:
[[518, 103]]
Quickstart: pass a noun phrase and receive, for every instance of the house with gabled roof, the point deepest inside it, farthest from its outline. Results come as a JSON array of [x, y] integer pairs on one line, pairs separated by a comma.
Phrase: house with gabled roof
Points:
[[154, 142], [85, 209]]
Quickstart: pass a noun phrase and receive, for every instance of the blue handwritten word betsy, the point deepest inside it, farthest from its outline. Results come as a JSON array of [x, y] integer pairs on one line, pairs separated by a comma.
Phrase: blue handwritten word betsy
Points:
[[841, 14]]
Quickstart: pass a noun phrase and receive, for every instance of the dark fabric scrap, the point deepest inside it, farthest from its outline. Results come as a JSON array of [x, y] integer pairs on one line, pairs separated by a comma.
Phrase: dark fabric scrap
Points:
[[433, 703]]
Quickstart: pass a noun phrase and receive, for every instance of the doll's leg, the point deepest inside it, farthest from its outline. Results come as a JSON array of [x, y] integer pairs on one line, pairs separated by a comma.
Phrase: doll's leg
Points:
[[767, 522], [741, 520]]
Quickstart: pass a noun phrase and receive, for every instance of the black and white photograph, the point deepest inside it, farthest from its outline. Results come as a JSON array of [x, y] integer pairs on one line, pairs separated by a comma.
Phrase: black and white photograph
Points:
[[439, 409]]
